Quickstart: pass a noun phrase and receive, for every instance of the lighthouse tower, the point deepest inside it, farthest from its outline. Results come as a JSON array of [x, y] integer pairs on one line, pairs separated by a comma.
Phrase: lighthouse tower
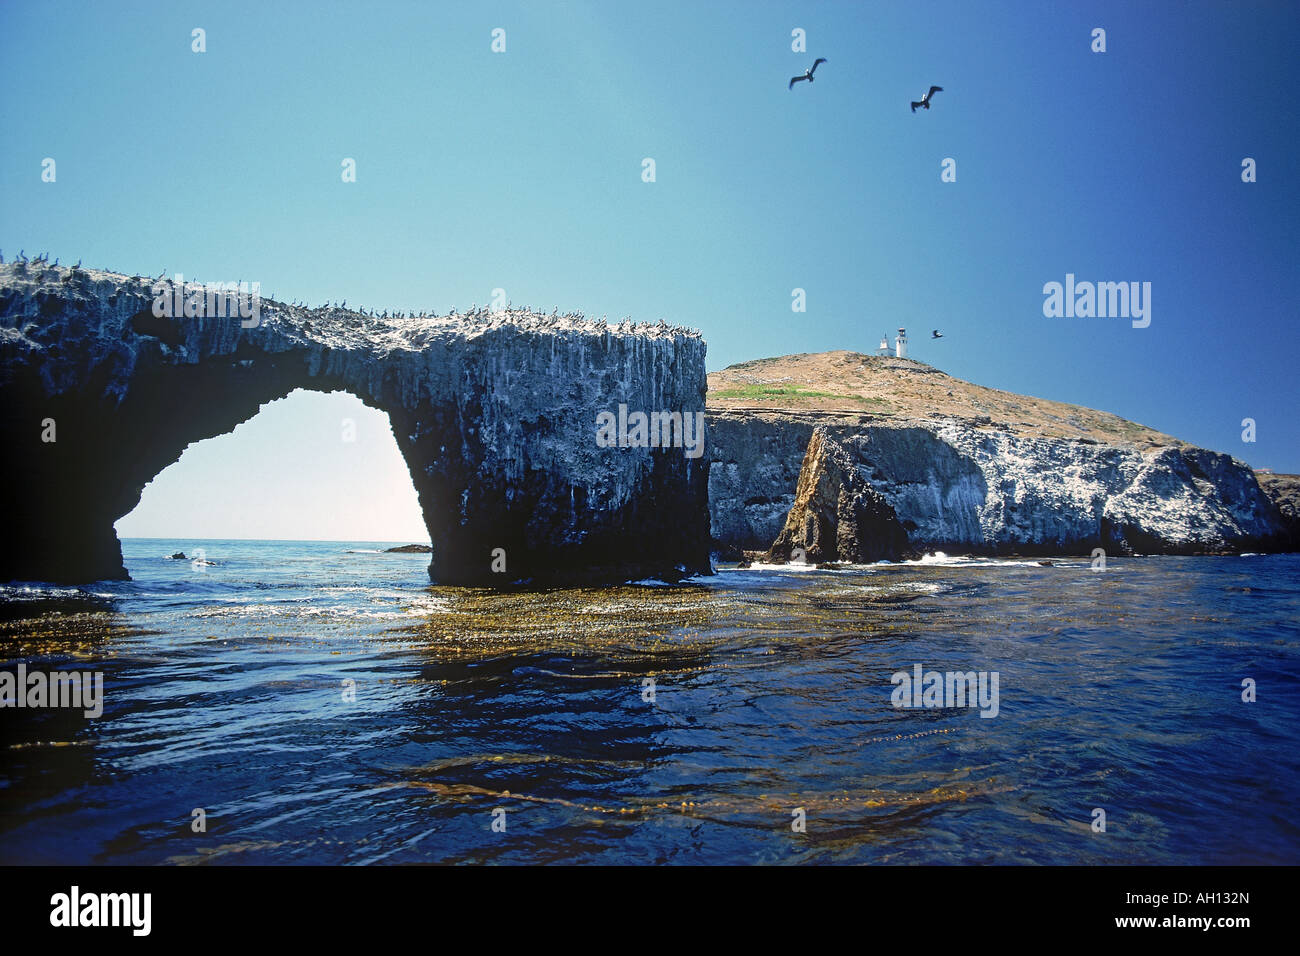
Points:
[[884, 346], [900, 344]]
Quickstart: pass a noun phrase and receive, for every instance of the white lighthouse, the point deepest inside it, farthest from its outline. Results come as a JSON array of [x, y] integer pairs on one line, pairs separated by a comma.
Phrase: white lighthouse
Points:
[[900, 344]]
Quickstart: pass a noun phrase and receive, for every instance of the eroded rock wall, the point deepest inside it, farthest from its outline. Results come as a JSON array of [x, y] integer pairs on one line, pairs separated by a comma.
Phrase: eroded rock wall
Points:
[[1284, 492], [961, 485], [495, 414]]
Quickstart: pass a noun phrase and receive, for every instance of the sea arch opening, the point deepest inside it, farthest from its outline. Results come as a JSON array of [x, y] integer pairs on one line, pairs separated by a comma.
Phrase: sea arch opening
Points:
[[312, 465]]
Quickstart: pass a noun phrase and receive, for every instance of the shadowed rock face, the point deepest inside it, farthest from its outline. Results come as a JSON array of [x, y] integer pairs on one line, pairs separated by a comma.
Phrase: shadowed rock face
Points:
[[495, 415], [836, 515], [1284, 492]]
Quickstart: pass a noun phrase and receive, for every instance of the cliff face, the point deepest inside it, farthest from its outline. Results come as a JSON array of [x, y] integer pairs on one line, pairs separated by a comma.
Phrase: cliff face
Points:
[[1284, 491], [971, 483], [495, 414]]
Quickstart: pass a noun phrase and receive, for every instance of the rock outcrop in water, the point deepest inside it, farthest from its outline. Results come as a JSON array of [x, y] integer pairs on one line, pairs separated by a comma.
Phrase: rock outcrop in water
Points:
[[836, 515], [495, 414], [971, 469]]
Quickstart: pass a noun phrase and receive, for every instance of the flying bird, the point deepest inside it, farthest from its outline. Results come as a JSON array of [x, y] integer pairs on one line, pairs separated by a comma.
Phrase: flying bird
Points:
[[807, 74], [936, 334], [925, 100]]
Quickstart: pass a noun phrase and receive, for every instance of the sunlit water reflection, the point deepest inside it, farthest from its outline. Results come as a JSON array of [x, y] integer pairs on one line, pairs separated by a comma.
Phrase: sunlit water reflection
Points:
[[647, 724]]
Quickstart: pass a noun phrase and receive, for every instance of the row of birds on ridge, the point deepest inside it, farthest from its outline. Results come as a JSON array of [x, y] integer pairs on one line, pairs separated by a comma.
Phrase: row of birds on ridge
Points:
[[923, 102]]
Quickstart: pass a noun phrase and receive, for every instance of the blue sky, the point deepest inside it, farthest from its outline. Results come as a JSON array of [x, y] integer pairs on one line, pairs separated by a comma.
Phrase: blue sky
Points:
[[522, 170]]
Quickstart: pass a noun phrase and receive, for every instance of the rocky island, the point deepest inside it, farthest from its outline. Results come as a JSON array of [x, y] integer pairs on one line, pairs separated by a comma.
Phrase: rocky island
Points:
[[961, 468]]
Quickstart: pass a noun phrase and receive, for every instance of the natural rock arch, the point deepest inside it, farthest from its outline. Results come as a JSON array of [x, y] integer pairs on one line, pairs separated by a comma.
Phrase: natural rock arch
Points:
[[494, 414]]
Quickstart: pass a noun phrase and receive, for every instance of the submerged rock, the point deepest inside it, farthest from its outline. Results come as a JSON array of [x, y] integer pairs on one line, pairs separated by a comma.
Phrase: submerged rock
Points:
[[836, 515], [494, 413], [409, 549]]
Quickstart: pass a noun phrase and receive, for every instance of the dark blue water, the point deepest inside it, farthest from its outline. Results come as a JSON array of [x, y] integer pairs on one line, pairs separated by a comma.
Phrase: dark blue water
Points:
[[1119, 690]]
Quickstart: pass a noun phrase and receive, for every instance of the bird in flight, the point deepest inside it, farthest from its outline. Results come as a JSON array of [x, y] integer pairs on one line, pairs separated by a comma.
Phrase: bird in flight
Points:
[[936, 334], [807, 74], [925, 100]]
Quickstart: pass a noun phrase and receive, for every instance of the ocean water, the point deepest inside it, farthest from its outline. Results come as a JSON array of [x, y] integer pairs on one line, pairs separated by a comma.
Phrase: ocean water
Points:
[[323, 703]]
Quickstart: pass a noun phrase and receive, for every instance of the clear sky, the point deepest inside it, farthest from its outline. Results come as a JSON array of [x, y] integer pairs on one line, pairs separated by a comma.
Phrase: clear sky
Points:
[[523, 170]]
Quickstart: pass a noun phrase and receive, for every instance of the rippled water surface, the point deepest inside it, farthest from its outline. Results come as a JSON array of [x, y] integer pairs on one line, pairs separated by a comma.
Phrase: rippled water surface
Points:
[[225, 690]]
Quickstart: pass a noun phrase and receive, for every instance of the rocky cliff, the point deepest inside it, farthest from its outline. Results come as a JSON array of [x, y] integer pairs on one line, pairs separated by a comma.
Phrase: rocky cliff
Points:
[[495, 414], [1284, 491], [969, 468]]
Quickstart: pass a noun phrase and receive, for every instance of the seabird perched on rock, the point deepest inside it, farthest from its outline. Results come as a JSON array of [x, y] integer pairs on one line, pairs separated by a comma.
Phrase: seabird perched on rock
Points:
[[807, 74], [925, 100]]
